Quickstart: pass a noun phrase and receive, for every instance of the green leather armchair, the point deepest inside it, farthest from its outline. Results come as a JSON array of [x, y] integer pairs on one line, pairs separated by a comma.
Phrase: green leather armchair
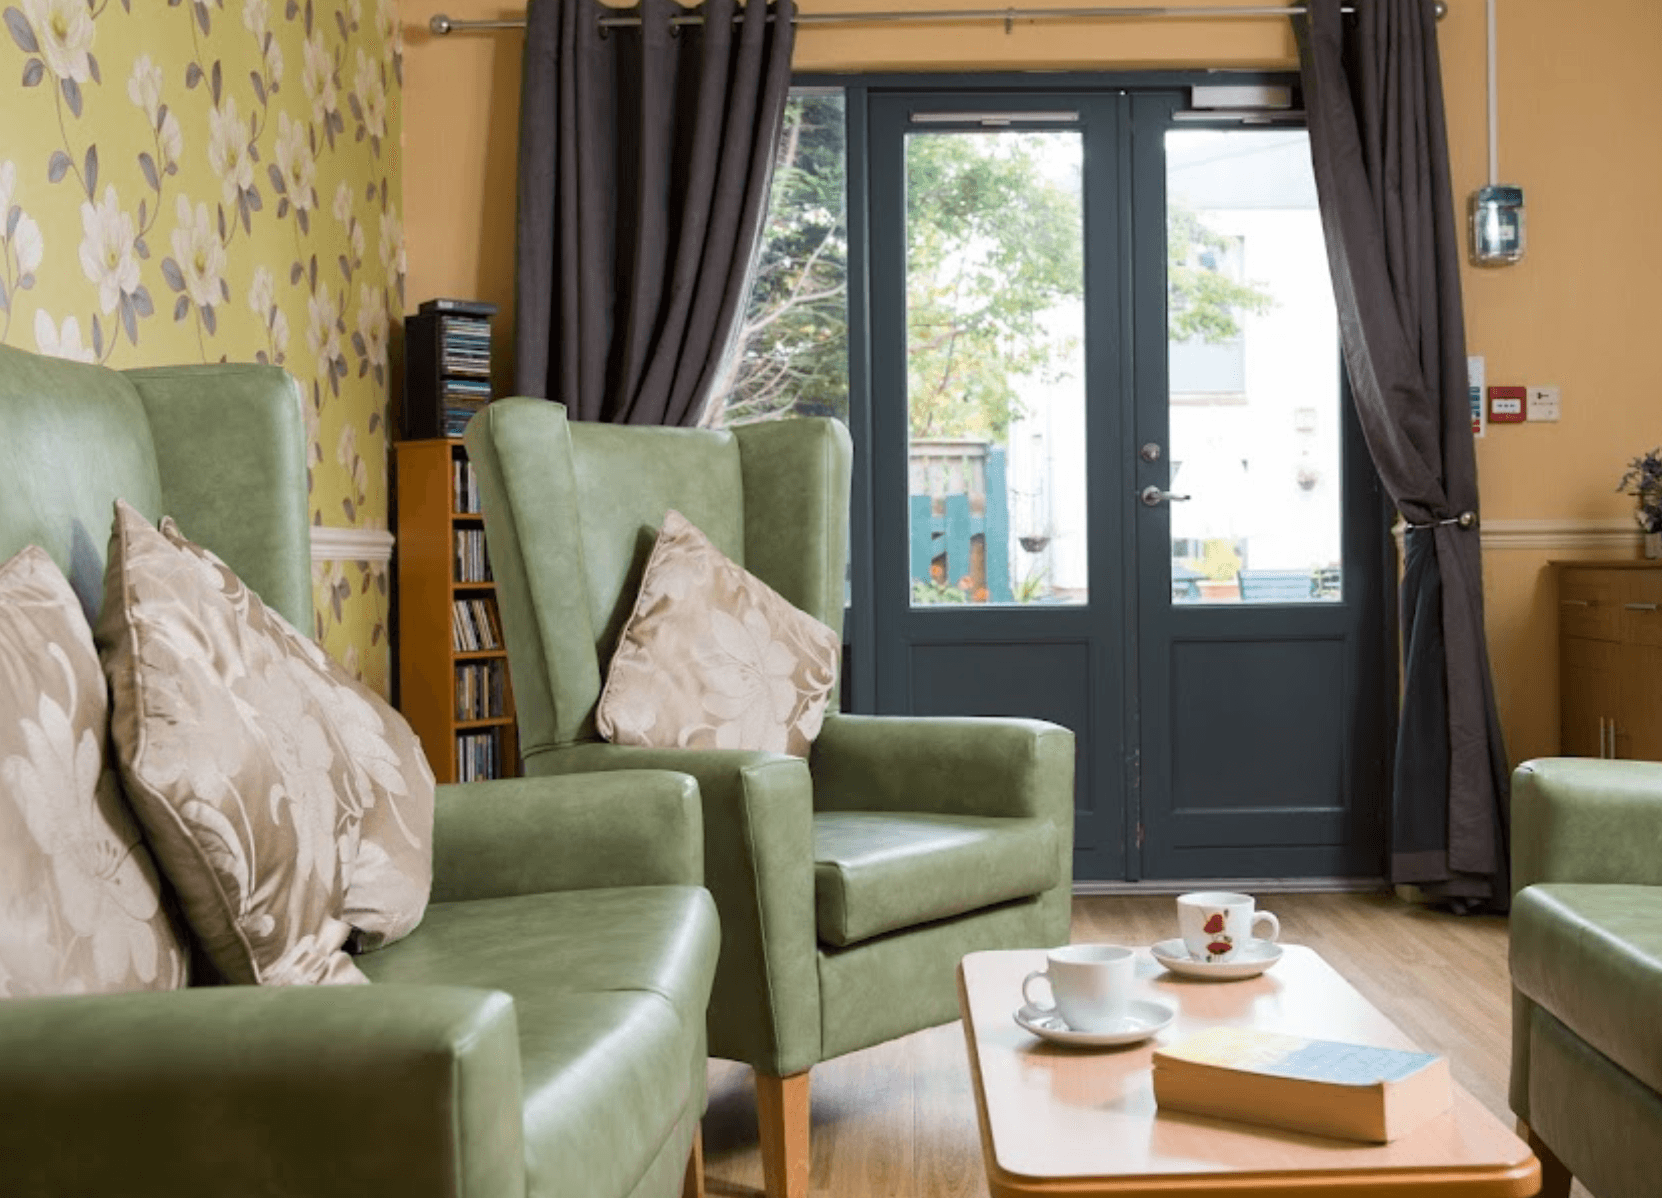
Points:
[[1587, 972], [848, 885], [540, 1034]]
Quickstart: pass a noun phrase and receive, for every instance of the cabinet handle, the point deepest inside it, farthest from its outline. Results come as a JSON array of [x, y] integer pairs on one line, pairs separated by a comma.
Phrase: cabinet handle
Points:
[[1640, 606], [1575, 603]]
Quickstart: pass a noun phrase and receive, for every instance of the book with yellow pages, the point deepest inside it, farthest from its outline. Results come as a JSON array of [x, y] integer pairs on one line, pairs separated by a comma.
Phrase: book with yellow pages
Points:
[[1351, 1091]]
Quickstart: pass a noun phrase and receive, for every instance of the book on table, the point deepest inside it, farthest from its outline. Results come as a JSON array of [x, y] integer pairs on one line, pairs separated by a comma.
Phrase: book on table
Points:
[[1349, 1091]]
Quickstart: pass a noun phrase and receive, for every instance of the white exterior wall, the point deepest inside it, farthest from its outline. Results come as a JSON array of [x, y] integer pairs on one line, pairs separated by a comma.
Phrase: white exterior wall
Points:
[[1292, 363]]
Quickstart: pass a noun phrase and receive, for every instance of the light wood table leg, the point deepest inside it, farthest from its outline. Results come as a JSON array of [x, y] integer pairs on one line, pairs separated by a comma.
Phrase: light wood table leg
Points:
[[1555, 1175], [782, 1121], [692, 1186]]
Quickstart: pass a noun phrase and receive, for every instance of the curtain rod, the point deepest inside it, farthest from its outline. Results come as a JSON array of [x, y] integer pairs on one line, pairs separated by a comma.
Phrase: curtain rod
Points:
[[441, 24]]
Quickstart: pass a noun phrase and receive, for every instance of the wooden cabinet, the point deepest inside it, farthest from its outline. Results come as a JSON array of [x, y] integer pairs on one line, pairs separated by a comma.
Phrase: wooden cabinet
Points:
[[1610, 659], [453, 671]]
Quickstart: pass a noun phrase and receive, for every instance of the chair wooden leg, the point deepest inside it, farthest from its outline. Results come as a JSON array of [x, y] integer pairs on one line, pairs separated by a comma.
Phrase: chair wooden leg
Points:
[[1555, 1175], [782, 1120], [692, 1186]]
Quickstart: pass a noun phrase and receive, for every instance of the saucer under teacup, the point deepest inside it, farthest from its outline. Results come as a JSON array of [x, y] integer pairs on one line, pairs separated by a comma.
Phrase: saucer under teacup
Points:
[[1250, 960], [1142, 1019]]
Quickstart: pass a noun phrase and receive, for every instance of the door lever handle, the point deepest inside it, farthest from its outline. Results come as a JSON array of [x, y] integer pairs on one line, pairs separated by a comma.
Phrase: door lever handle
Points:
[[1153, 496]]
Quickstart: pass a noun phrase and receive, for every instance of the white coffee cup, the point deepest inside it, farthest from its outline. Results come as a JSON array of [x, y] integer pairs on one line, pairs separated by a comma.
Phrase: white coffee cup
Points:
[[1091, 985], [1216, 923]]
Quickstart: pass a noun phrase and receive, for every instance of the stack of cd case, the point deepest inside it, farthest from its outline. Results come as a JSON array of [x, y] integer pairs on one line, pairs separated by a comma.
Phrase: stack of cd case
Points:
[[447, 376]]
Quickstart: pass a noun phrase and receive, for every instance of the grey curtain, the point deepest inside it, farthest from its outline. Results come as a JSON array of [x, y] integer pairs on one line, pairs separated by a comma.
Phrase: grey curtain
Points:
[[1373, 91], [644, 162]]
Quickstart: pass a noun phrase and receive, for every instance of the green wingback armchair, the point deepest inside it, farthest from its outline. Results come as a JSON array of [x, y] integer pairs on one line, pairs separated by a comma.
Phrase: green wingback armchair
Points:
[[539, 1035], [848, 885], [1587, 972]]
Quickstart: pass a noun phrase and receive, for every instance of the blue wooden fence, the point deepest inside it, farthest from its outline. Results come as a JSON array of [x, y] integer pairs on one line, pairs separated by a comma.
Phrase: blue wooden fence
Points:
[[950, 532]]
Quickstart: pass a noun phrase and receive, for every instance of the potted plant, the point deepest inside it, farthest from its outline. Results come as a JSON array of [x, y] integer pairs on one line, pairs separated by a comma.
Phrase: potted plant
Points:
[[1643, 481]]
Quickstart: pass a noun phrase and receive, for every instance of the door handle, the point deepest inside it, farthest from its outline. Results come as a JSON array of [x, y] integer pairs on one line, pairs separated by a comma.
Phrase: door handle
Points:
[[1575, 603], [1640, 606], [1153, 496]]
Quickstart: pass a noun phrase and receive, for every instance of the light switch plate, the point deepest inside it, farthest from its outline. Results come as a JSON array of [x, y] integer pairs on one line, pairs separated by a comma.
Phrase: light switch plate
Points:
[[1543, 403]]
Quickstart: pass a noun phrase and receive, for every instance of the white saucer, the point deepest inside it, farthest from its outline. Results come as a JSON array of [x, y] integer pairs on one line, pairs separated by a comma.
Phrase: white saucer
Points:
[[1141, 1020], [1251, 959]]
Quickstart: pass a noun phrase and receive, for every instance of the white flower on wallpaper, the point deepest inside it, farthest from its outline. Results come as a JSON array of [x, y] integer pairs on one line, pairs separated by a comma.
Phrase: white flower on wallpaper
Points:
[[21, 246], [262, 301], [343, 203], [392, 36], [60, 343], [229, 154], [317, 73], [107, 254], [371, 338], [27, 246], [392, 250], [198, 260], [144, 88], [294, 174], [65, 30], [323, 330], [368, 100]]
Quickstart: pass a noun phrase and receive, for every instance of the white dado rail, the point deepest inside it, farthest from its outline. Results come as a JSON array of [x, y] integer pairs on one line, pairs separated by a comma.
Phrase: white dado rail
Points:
[[1603, 532], [373, 545]]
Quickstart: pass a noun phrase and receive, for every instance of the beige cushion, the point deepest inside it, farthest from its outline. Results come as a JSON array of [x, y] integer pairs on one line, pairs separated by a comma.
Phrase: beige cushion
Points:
[[80, 909], [387, 805], [714, 658], [229, 730]]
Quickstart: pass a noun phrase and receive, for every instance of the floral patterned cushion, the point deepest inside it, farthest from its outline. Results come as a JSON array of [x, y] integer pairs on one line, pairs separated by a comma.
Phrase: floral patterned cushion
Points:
[[387, 810], [714, 658], [247, 762], [80, 909]]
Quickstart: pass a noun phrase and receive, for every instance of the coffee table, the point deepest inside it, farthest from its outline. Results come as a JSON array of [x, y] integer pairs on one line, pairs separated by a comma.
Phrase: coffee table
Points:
[[1058, 1121]]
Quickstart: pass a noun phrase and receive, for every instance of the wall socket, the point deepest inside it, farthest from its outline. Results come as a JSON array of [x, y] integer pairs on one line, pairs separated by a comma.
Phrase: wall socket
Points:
[[1543, 403]]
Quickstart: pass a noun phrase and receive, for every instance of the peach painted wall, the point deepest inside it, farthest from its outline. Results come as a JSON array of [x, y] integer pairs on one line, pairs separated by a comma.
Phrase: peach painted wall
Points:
[[1577, 119]]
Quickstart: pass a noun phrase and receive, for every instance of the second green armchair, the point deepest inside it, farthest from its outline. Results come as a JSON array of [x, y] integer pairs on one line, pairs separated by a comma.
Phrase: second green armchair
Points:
[[848, 885]]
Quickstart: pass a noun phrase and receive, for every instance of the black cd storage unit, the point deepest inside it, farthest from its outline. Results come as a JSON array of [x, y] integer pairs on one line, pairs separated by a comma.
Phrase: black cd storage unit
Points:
[[447, 367]]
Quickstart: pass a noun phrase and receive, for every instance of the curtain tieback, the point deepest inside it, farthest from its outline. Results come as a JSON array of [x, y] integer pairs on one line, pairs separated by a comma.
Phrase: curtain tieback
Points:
[[1464, 520]]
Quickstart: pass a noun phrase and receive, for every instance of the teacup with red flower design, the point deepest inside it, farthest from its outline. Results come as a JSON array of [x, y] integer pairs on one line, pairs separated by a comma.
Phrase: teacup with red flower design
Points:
[[1217, 923]]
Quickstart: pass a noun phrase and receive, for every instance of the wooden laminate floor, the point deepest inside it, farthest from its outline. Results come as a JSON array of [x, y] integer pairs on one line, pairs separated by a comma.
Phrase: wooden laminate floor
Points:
[[898, 1120]]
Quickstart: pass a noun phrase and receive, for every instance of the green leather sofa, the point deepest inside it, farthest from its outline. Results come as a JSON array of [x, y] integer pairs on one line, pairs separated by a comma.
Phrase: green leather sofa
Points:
[[1587, 972], [540, 1034], [849, 884]]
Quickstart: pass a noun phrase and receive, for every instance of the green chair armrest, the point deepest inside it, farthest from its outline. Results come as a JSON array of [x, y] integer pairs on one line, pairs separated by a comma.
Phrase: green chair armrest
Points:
[[305, 1091], [759, 865], [945, 766], [1577, 819], [537, 835]]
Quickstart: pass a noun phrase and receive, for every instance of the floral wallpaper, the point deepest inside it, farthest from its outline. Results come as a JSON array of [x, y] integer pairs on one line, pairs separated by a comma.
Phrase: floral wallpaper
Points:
[[219, 180]]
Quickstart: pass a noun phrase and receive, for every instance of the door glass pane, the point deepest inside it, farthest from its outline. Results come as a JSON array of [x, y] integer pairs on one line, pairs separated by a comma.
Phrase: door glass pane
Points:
[[789, 355], [1254, 355], [995, 332]]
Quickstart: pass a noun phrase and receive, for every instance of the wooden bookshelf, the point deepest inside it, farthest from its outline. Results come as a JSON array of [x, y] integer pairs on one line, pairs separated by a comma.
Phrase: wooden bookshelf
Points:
[[430, 663]]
